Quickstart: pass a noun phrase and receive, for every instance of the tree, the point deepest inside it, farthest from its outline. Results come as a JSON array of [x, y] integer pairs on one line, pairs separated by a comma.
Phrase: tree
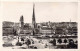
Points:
[[54, 42], [60, 41], [65, 40], [28, 42], [22, 39]]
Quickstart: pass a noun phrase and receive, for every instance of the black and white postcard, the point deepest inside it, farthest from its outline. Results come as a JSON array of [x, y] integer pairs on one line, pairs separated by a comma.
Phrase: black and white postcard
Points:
[[39, 25]]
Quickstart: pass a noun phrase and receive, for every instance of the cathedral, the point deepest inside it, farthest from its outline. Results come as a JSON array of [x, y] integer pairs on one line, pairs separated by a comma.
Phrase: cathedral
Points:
[[34, 25]]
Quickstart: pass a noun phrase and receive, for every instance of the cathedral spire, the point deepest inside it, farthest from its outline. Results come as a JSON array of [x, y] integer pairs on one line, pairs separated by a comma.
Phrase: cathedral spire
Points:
[[33, 11], [33, 17], [33, 21]]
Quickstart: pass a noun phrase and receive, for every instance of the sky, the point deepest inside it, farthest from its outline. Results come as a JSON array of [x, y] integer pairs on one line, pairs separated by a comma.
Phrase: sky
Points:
[[44, 11]]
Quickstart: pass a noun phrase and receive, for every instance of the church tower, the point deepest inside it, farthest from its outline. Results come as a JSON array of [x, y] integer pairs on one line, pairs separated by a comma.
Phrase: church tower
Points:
[[33, 21], [22, 22]]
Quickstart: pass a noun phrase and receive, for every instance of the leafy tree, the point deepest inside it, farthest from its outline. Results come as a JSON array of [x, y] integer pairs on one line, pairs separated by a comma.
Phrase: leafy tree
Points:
[[65, 40], [60, 41]]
